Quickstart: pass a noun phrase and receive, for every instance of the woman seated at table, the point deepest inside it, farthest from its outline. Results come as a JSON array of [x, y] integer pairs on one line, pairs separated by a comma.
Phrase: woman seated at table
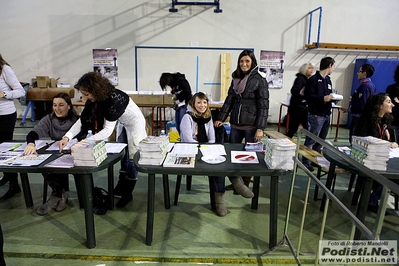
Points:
[[54, 126], [105, 106], [374, 121], [197, 126]]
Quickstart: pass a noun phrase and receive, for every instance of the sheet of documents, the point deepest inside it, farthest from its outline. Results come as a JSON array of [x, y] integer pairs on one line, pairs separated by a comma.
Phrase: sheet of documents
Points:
[[28, 160], [55, 147], [40, 143], [7, 146], [212, 150], [185, 148], [114, 147]]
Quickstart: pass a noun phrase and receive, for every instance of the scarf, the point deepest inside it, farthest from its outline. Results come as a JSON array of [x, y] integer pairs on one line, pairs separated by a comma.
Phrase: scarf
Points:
[[239, 84], [201, 134]]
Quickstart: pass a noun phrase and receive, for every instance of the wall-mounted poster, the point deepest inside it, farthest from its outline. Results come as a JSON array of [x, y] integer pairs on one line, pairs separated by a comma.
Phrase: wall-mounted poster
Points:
[[105, 61], [272, 63]]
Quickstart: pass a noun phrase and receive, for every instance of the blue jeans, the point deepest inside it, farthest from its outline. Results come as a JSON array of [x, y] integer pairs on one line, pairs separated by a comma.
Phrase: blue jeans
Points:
[[318, 125], [218, 183], [126, 163], [179, 115], [237, 135]]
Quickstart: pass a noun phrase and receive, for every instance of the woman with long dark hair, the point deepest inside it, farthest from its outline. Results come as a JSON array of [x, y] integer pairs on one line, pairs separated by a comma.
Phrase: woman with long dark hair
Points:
[[10, 89]]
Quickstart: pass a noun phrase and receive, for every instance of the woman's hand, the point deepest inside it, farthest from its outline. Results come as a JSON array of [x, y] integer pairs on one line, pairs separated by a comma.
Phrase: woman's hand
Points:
[[217, 123], [394, 145], [30, 148], [258, 134], [63, 142]]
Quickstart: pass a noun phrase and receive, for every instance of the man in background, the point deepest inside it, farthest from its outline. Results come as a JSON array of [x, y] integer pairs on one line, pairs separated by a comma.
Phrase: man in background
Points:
[[359, 97], [318, 95]]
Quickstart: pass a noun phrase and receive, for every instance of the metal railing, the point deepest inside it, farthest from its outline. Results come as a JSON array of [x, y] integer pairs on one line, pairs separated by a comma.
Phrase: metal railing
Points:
[[357, 223]]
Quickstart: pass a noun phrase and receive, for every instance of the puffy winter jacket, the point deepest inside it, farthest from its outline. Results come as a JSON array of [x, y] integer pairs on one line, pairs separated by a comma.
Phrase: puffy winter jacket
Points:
[[251, 107]]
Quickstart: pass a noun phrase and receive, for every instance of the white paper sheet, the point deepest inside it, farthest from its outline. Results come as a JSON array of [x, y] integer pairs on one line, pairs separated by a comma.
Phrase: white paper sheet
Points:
[[185, 148], [213, 150], [114, 147]]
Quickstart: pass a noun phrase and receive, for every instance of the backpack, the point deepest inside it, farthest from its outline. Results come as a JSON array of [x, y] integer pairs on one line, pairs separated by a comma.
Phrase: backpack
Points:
[[101, 201]]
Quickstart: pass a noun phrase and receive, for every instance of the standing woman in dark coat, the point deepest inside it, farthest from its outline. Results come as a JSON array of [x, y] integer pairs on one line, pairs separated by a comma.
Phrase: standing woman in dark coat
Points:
[[181, 90], [247, 103], [298, 109], [393, 91]]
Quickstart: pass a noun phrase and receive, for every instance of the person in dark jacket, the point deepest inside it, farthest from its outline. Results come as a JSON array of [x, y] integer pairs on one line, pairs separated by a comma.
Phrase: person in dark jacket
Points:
[[181, 90], [298, 109], [247, 103], [359, 97], [318, 95], [393, 91], [374, 121]]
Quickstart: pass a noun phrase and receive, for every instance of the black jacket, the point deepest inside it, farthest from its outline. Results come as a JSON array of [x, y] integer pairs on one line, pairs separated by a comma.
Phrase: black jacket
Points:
[[182, 90], [297, 100], [251, 107]]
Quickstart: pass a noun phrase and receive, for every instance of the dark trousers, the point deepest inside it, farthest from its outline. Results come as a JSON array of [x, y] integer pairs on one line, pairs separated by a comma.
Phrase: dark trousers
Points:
[[57, 182], [298, 115], [7, 123]]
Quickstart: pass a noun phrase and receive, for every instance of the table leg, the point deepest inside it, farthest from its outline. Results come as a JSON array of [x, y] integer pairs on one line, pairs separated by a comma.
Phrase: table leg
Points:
[[273, 211], [363, 204], [26, 189], [111, 185], [279, 117], [150, 209], [336, 130], [255, 190], [166, 194], [329, 182], [87, 182]]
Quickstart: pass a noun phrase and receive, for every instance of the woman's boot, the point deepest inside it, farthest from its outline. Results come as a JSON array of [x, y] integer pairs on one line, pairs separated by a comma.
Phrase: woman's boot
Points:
[[51, 203], [127, 190], [221, 209], [118, 190], [240, 187]]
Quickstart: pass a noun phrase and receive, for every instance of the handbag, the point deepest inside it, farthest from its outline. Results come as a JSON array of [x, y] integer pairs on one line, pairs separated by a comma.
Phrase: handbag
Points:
[[101, 201]]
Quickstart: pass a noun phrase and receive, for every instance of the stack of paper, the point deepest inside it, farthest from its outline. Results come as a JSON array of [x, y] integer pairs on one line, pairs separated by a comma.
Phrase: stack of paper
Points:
[[370, 151], [279, 153], [89, 153], [153, 150]]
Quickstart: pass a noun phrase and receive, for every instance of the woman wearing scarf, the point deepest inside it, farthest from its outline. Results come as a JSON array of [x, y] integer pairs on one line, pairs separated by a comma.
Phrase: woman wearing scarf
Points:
[[197, 126], [247, 103]]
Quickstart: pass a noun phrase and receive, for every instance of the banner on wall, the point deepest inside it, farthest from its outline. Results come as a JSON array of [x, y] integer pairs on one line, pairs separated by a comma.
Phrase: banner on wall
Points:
[[105, 61], [272, 63]]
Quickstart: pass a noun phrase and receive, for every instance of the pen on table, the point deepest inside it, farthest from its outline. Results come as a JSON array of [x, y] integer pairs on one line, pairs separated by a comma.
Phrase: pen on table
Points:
[[15, 146]]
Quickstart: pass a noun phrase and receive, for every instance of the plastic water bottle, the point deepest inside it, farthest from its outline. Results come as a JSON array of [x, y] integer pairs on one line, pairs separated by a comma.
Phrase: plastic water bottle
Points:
[[89, 134]]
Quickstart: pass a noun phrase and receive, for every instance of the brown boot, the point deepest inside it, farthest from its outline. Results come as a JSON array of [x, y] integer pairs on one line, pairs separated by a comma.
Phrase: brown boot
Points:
[[221, 209], [241, 188]]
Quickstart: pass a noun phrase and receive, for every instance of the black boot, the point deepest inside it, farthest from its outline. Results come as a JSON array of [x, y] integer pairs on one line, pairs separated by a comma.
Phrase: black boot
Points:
[[127, 190], [4, 180], [118, 190], [12, 190]]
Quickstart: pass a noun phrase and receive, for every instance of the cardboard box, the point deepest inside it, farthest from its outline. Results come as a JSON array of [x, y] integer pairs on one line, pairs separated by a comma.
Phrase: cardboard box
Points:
[[53, 83], [42, 81], [147, 99]]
